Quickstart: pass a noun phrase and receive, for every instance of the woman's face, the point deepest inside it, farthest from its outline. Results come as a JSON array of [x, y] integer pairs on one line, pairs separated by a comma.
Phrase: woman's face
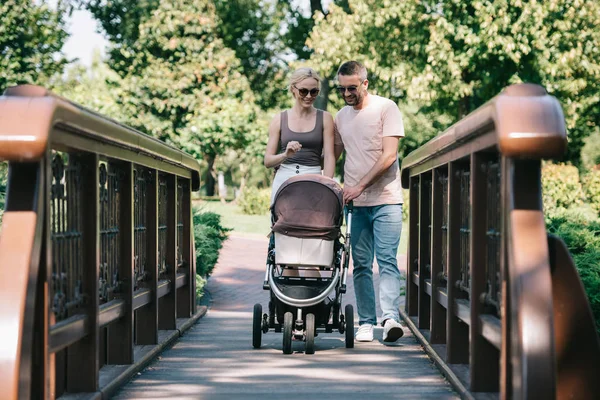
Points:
[[306, 92]]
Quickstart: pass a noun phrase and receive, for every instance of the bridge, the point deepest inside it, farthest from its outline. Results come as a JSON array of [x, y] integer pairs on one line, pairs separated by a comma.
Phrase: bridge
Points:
[[97, 262]]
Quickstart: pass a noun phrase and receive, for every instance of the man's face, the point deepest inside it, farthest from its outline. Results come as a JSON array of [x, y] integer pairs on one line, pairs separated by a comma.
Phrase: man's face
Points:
[[352, 88]]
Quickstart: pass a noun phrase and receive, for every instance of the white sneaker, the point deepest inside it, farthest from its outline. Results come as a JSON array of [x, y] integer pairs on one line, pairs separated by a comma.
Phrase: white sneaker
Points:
[[392, 331], [364, 333]]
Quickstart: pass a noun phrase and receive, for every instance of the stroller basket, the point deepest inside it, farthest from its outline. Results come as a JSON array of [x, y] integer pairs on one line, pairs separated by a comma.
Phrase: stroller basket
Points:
[[305, 294]]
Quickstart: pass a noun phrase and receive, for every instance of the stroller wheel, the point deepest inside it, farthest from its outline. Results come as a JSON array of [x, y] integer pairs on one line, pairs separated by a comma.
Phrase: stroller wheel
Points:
[[287, 332], [257, 326], [310, 334], [349, 320]]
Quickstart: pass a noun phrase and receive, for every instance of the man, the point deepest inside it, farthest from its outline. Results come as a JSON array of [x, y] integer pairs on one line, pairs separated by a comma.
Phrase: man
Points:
[[368, 129]]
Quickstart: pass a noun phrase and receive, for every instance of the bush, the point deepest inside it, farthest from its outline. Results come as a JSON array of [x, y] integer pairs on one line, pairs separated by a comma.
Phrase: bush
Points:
[[561, 188], [591, 186], [209, 236], [255, 201], [590, 152], [582, 237], [200, 283]]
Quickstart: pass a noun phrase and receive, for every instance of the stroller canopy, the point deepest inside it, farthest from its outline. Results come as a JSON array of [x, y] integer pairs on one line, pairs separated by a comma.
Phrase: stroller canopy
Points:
[[308, 206]]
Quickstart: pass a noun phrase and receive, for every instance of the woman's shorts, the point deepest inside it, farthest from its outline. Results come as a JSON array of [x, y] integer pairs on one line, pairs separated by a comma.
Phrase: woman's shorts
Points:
[[286, 171]]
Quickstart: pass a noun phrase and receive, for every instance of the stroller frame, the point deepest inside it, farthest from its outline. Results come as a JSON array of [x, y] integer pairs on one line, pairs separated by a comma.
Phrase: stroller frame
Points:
[[302, 319]]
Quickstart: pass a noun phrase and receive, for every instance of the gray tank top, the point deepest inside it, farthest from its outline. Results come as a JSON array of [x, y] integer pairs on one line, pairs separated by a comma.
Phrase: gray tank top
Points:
[[312, 142]]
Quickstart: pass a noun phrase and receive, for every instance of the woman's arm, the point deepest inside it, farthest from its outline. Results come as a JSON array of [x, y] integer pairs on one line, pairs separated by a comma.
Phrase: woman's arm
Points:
[[329, 156], [272, 159]]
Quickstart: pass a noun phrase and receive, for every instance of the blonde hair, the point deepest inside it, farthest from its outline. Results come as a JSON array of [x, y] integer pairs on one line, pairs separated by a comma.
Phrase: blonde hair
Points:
[[301, 74]]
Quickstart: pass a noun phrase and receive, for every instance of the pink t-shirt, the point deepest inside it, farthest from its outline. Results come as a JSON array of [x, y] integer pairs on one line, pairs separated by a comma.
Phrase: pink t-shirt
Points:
[[361, 132]]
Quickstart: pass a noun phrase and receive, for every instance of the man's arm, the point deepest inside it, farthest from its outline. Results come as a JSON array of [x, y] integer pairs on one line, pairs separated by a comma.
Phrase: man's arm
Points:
[[387, 158]]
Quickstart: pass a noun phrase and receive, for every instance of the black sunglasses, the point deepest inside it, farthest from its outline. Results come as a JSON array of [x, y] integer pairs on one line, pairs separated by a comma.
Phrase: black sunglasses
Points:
[[304, 92], [351, 89]]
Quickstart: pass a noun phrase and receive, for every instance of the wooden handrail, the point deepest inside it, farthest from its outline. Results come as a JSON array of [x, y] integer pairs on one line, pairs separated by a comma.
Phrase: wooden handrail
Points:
[[481, 277], [97, 242], [525, 122]]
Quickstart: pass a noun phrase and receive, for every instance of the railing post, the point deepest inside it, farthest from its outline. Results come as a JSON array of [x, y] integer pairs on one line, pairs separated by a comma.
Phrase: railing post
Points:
[[120, 332], [457, 339], [83, 356], [412, 288], [167, 315], [147, 316], [424, 252], [187, 295], [41, 383], [438, 312]]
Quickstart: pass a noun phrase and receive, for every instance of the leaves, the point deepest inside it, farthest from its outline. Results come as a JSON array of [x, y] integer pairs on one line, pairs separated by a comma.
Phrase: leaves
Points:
[[31, 38], [449, 57]]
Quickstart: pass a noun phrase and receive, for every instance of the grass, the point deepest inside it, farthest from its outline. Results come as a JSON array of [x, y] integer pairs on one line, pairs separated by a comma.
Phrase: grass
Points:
[[260, 225], [232, 217]]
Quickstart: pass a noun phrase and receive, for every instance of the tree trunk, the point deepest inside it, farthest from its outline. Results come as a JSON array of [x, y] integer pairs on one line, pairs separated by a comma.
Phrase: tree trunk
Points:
[[210, 176], [316, 5]]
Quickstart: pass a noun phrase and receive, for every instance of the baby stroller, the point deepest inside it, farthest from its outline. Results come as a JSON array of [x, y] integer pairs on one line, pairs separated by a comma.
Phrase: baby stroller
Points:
[[306, 264]]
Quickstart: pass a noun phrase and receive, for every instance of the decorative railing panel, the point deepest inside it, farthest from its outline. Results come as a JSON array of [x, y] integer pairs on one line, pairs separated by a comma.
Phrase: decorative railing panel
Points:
[[493, 295], [141, 178], [66, 221], [162, 226], [465, 230], [111, 178], [443, 180]]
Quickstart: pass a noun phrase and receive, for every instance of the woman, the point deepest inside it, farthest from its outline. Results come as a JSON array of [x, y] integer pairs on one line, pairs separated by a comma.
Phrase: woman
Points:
[[299, 136]]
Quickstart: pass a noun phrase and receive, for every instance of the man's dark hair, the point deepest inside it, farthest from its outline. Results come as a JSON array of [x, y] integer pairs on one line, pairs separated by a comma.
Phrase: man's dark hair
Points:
[[353, 68]]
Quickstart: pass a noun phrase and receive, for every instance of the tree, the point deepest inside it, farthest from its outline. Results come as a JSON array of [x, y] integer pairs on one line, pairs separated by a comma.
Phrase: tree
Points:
[[450, 57], [31, 38], [120, 20], [96, 88], [185, 87]]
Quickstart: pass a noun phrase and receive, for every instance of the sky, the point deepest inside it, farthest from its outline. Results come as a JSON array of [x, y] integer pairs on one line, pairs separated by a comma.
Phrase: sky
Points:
[[84, 37]]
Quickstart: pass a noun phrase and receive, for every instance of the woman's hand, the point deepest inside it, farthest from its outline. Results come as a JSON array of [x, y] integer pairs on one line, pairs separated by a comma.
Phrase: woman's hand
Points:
[[292, 148]]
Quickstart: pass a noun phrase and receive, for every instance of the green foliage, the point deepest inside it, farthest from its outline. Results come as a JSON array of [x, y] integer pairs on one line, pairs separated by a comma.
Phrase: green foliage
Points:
[[96, 88], [591, 186], [450, 57], [590, 153], [209, 236], [32, 35], [120, 20], [561, 188], [249, 27], [185, 87], [200, 283], [255, 201], [582, 237]]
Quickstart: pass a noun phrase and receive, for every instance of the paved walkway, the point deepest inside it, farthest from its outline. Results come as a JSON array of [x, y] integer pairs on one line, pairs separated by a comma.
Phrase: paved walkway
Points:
[[215, 359]]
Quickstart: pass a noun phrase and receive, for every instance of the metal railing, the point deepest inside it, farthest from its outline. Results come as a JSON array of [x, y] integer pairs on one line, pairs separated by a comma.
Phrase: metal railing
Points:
[[495, 300], [97, 265]]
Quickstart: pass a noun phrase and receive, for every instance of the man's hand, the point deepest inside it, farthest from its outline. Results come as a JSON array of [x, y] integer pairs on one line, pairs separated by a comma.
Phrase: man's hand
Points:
[[352, 192]]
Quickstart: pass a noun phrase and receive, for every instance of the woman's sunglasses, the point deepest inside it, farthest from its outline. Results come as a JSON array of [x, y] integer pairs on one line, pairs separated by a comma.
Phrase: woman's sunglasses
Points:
[[304, 92]]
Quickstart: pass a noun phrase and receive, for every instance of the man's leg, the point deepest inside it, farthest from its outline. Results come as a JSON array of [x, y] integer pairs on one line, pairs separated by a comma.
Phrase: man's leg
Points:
[[362, 260], [387, 226]]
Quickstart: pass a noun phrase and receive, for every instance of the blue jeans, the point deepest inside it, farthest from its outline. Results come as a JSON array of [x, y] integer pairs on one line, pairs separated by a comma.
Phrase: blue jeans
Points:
[[376, 232]]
